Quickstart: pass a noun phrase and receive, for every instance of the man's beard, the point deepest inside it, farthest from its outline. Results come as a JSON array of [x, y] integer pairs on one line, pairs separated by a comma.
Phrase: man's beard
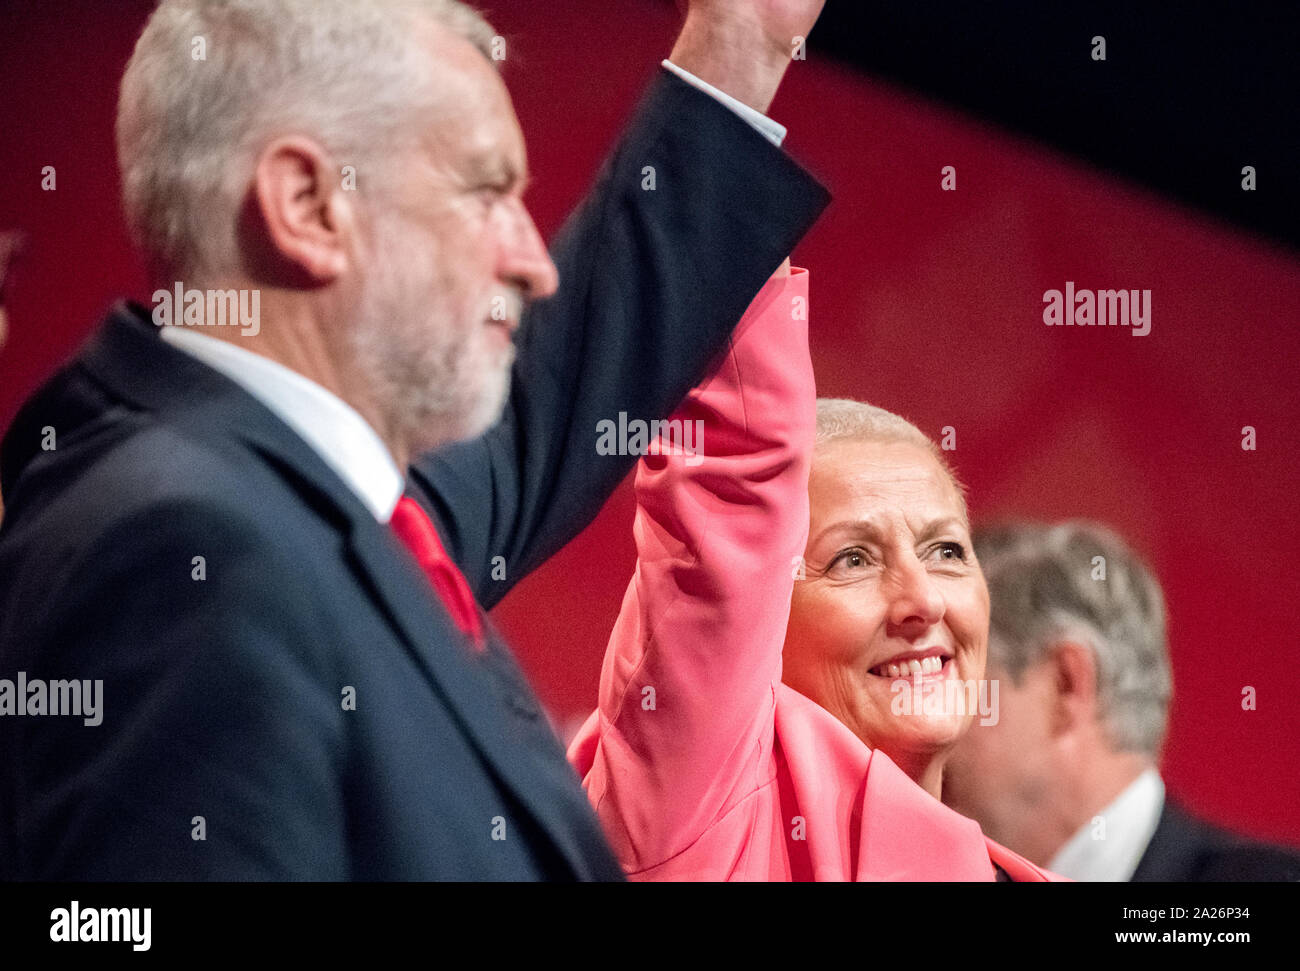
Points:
[[434, 384]]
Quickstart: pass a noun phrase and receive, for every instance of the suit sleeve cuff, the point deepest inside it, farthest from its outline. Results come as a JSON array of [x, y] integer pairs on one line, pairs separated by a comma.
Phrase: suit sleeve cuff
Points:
[[770, 130]]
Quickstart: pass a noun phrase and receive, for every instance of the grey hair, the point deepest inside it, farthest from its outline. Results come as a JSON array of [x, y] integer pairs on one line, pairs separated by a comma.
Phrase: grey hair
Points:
[[349, 74], [1047, 584], [844, 418]]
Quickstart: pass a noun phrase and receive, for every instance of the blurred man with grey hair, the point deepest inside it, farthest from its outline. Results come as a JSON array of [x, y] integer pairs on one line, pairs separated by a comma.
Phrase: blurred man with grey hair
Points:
[[1068, 774]]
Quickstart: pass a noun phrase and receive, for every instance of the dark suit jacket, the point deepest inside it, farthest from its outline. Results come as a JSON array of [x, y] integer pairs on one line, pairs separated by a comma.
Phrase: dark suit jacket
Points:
[[223, 697], [1185, 849]]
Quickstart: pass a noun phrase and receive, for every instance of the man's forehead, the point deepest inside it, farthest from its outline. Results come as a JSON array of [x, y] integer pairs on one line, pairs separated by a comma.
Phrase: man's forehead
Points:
[[463, 75], [473, 121], [447, 45]]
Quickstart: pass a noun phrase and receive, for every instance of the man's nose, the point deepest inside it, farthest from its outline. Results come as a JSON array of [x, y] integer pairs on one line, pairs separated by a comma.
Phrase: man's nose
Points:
[[526, 260]]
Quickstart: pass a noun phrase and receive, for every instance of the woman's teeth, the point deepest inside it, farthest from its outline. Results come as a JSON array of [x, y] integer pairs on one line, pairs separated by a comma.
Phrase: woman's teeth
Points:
[[908, 669]]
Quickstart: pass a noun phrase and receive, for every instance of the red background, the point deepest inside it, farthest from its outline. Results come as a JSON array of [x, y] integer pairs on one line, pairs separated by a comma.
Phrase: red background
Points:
[[925, 302]]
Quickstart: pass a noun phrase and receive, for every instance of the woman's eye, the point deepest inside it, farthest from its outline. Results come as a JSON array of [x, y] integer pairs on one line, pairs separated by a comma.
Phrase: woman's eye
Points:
[[849, 560], [952, 552]]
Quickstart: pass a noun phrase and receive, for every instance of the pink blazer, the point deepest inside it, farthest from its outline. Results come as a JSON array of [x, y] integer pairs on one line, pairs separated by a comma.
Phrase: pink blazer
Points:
[[700, 763]]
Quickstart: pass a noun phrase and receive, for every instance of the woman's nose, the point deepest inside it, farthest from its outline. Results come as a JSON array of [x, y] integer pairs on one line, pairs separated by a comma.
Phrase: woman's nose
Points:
[[914, 600]]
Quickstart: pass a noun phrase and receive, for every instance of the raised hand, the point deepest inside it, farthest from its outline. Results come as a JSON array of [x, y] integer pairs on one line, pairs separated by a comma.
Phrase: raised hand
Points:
[[743, 47]]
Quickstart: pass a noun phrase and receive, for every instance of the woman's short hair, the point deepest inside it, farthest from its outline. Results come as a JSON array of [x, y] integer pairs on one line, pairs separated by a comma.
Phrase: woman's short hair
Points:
[[843, 418]]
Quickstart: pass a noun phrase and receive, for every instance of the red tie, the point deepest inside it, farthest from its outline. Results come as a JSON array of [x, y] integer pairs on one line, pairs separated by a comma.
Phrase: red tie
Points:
[[417, 533]]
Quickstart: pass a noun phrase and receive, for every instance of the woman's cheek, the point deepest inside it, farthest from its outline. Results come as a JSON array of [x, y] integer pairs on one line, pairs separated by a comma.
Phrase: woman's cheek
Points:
[[850, 617], [968, 611]]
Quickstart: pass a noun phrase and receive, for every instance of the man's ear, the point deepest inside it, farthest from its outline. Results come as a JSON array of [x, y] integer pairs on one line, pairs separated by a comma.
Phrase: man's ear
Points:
[[1074, 680], [304, 220]]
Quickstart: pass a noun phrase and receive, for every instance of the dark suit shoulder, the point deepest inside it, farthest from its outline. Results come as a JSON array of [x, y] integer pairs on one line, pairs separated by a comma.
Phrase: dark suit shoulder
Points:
[[1185, 848], [138, 519], [189, 591], [109, 473]]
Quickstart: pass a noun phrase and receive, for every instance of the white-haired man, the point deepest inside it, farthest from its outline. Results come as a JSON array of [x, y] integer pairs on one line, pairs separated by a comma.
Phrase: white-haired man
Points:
[[1068, 776], [207, 523]]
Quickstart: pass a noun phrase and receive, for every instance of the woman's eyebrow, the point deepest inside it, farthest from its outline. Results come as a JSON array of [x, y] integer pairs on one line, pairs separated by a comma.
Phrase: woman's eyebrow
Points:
[[936, 526], [868, 529], [863, 527]]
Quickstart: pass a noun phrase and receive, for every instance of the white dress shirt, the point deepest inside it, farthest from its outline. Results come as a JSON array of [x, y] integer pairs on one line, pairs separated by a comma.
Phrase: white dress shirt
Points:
[[342, 438], [770, 130], [332, 427], [1130, 822]]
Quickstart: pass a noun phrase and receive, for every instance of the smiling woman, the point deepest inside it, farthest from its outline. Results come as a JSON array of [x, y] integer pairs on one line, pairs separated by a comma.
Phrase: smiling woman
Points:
[[706, 760], [891, 590]]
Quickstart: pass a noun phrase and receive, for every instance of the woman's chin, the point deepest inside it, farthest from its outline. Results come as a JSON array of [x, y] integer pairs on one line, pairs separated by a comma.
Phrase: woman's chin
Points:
[[925, 739]]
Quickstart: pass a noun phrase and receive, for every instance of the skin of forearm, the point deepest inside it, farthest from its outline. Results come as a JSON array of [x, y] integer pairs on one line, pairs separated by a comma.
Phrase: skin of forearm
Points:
[[734, 55]]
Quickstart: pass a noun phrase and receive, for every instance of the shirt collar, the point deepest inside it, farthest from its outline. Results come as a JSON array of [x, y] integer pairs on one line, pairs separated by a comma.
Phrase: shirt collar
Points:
[[1109, 846], [332, 427]]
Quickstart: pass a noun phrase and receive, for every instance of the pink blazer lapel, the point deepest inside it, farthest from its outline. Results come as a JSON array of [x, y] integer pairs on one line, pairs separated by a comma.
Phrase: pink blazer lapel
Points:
[[1018, 868], [864, 818], [907, 834], [826, 764]]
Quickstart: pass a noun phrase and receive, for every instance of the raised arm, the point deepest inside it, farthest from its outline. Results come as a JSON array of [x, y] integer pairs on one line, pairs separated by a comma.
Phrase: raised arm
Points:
[[688, 218], [685, 726]]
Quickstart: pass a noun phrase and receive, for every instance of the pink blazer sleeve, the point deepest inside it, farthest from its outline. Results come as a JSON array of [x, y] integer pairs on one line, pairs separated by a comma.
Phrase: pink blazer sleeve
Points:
[[685, 726]]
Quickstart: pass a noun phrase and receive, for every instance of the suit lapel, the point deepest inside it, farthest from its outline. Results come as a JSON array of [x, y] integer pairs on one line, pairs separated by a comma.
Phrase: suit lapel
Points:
[[138, 367], [469, 688]]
